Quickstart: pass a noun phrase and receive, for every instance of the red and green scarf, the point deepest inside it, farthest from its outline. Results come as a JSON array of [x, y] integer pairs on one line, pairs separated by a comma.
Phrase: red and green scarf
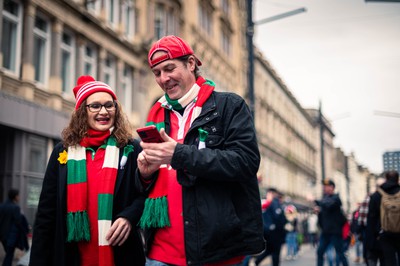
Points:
[[77, 193], [155, 213]]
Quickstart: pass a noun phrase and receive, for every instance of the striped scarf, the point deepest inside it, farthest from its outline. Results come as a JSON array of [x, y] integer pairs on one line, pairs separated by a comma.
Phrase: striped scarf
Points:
[[77, 216], [155, 213]]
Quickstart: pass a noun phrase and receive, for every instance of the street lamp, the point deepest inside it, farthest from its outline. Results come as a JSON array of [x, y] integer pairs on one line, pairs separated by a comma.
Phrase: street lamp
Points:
[[249, 36]]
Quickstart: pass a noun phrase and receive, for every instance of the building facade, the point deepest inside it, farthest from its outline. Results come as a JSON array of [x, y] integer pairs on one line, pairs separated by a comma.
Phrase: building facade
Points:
[[391, 161], [47, 44], [286, 135]]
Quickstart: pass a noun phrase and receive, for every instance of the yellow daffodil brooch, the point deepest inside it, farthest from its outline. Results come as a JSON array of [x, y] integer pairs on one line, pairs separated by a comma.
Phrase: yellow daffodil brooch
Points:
[[63, 157]]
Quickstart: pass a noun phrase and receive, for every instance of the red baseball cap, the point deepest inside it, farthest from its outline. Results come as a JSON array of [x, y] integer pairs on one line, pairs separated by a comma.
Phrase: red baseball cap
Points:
[[174, 47]]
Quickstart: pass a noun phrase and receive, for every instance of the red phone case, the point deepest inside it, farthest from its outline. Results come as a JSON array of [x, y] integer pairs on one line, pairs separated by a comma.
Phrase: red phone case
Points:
[[149, 134]]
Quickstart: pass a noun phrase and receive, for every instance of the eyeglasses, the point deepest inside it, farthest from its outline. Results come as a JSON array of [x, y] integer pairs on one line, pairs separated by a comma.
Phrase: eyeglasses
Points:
[[96, 107]]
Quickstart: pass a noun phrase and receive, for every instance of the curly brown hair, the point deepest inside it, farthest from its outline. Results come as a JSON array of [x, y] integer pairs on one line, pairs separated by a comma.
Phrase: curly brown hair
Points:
[[78, 127]]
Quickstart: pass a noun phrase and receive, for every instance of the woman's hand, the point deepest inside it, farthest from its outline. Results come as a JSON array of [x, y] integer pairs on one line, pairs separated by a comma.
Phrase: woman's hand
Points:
[[119, 232]]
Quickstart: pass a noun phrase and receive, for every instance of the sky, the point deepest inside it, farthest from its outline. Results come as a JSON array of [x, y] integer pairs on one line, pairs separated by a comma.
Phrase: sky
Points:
[[346, 55]]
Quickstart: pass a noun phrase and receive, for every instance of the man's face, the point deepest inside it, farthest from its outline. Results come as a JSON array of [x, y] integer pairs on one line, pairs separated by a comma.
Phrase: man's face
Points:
[[174, 76], [328, 189]]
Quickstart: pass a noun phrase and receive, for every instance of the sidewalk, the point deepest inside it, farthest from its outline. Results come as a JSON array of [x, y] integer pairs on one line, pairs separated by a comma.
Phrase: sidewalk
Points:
[[307, 257]]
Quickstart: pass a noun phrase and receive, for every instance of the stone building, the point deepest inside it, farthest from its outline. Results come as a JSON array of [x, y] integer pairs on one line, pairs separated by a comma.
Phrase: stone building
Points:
[[47, 44], [286, 135]]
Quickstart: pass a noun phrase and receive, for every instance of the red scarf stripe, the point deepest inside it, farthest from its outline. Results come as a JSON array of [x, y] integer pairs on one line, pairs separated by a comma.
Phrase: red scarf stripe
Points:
[[108, 181], [77, 192], [106, 256]]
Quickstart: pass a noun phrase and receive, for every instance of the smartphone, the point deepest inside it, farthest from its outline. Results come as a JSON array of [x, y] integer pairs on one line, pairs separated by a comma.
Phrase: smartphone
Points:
[[149, 134]]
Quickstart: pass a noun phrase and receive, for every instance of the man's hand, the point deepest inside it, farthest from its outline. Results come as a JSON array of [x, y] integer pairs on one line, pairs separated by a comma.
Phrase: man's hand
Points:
[[119, 232], [155, 154]]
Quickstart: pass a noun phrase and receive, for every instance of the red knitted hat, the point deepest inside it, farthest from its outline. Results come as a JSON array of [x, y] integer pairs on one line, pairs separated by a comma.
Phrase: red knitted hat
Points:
[[86, 86], [174, 47]]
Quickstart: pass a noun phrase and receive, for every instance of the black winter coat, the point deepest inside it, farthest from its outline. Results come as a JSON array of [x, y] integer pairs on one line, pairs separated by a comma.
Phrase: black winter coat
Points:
[[221, 201], [331, 218], [373, 219], [49, 247]]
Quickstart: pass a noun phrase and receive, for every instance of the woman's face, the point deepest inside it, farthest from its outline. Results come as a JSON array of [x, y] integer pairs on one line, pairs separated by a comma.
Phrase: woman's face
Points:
[[104, 118]]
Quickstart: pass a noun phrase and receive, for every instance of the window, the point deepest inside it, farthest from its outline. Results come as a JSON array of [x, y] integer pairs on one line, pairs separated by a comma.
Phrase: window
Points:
[[109, 71], [165, 23], [205, 17], [225, 42], [93, 6], [41, 49], [37, 154], [90, 60], [67, 62], [129, 18], [225, 7], [112, 9], [126, 88], [159, 22], [11, 35]]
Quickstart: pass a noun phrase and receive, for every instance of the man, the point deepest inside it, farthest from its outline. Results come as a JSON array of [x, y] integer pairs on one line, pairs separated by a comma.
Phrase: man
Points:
[[274, 228], [204, 205], [371, 256], [12, 229], [388, 242], [331, 220]]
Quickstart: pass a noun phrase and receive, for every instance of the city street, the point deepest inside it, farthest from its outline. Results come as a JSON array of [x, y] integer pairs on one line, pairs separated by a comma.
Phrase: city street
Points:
[[307, 257]]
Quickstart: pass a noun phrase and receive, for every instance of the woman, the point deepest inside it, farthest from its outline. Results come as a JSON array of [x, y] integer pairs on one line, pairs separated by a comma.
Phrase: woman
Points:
[[89, 206]]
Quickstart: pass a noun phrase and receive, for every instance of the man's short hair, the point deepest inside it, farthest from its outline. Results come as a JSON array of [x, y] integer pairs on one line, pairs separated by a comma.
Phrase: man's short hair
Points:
[[272, 189], [12, 193], [392, 176], [328, 182]]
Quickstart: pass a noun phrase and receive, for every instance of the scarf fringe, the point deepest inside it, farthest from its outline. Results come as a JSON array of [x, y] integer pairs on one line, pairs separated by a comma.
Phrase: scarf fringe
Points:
[[155, 213], [78, 226]]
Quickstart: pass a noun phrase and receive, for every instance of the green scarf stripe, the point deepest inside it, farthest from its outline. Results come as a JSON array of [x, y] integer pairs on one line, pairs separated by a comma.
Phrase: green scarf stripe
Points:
[[112, 141], [78, 174], [159, 125], [105, 206], [210, 82], [176, 105]]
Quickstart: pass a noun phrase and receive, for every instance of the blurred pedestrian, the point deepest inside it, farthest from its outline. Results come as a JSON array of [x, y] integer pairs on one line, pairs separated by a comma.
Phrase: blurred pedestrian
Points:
[[13, 227], [89, 207], [331, 220], [205, 172], [355, 229], [291, 232], [379, 237], [274, 221], [312, 225]]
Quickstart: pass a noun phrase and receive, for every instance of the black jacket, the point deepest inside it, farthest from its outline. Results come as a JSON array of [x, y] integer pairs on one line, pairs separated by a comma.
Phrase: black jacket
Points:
[[331, 218], [14, 227], [221, 201], [373, 219], [274, 223], [49, 245]]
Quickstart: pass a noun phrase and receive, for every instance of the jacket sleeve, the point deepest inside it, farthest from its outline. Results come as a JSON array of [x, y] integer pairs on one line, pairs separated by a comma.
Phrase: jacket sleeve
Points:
[[373, 223], [45, 222], [331, 203], [231, 156]]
